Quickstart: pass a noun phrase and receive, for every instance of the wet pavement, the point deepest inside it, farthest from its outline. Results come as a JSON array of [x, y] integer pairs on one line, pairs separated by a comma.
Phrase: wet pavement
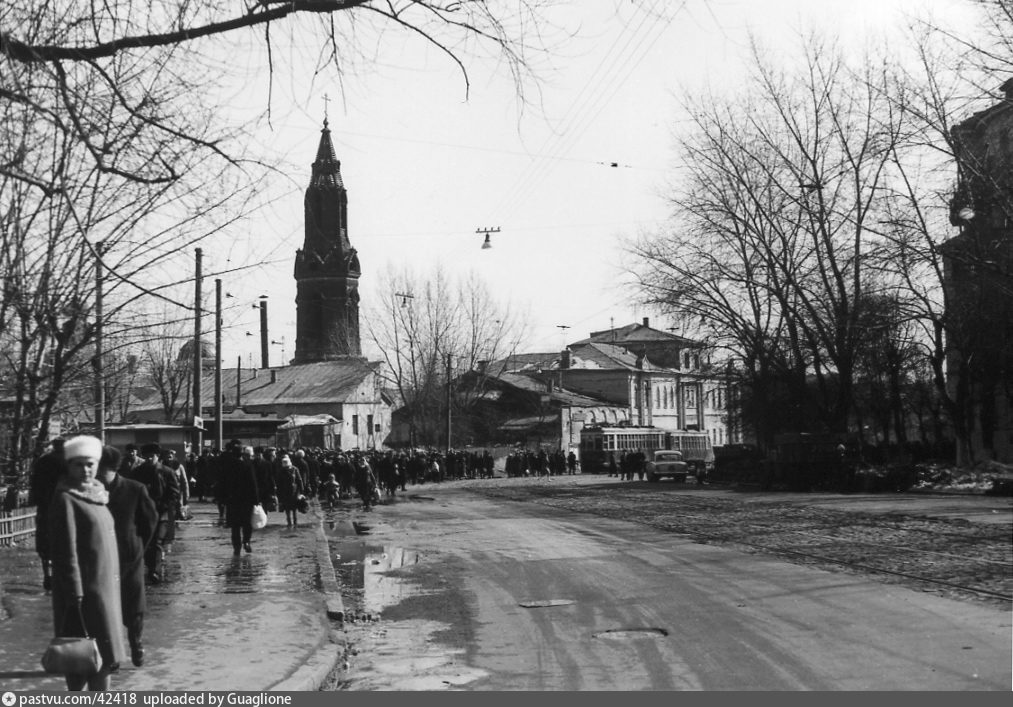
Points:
[[267, 620]]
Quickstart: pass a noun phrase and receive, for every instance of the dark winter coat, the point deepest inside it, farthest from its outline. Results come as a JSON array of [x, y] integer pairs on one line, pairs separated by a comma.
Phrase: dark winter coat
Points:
[[239, 488], [265, 479], [136, 518], [163, 489], [46, 474], [86, 564], [289, 484]]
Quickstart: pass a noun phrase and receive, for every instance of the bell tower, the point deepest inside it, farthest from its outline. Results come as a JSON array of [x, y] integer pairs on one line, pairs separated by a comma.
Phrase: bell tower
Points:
[[327, 267]]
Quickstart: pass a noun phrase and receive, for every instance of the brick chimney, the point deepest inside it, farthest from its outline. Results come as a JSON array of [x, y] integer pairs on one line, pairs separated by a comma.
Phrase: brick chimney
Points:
[[564, 359], [647, 321]]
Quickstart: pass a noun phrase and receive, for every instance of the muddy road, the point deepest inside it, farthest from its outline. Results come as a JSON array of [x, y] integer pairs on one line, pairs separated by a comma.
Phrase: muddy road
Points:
[[577, 584]]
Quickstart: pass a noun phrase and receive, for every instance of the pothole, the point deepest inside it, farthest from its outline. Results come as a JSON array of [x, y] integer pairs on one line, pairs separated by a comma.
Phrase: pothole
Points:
[[540, 603], [626, 634]]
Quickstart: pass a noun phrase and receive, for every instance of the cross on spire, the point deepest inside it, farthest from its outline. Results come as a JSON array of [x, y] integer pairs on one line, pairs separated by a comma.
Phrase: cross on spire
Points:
[[327, 100]]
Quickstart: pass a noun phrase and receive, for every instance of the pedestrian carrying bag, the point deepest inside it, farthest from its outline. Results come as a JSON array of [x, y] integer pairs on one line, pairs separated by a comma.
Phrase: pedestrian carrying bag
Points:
[[72, 655], [259, 518]]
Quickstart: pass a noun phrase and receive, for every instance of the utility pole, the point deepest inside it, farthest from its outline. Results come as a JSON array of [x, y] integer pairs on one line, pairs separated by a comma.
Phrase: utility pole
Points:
[[218, 364], [562, 330], [100, 388], [449, 397], [264, 353], [197, 362]]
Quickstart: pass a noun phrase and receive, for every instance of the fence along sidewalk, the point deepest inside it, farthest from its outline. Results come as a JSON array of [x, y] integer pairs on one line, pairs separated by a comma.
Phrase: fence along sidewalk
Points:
[[17, 525]]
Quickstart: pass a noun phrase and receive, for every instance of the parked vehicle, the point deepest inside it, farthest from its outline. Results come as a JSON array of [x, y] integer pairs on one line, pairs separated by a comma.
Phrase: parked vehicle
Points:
[[669, 463]]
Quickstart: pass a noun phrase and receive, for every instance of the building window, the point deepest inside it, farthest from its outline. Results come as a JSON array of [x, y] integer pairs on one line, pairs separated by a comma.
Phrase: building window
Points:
[[689, 394], [369, 423], [355, 424]]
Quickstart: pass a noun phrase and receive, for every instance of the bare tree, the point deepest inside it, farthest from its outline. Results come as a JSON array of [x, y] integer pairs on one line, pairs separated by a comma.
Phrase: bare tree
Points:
[[154, 67], [54, 235], [771, 235], [423, 320], [167, 362]]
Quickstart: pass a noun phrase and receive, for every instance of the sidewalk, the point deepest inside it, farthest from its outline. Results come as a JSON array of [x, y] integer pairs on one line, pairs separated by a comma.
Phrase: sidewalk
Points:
[[265, 621]]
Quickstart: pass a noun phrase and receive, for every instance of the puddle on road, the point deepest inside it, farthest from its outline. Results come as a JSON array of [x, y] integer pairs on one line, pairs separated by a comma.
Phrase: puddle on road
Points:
[[404, 656], [540, 603], [362, 568], [626, 634]]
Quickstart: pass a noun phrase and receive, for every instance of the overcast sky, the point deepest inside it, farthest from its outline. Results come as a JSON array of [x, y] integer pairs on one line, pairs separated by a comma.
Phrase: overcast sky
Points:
[[424, 168]]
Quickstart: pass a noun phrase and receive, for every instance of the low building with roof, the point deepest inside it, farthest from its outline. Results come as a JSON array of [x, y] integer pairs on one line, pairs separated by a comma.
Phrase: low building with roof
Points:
[[257, 402], [546, 399]]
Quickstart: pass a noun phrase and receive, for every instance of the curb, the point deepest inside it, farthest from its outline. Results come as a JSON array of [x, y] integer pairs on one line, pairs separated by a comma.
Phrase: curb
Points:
[[311, 675], [332, 592]]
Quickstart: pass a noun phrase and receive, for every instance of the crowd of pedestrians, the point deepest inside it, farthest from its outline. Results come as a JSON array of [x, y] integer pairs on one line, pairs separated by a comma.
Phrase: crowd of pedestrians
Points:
[[526, 462], [629, 464], [283, 476], [106, 519]]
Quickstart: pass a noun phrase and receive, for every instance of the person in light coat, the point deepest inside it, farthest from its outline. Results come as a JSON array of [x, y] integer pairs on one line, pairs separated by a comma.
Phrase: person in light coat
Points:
[[86, 566], [290, 487]]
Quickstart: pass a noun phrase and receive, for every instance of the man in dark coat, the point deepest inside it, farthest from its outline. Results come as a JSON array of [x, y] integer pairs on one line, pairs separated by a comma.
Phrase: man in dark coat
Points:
[[240, 493], [46, 472], [264, 464], [135, 519], [299, 462], [130, 461], [164, 491]]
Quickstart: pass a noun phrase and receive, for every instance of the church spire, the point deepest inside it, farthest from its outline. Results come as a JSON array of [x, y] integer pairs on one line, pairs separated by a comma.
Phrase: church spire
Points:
[[327, 267], [327, 167]]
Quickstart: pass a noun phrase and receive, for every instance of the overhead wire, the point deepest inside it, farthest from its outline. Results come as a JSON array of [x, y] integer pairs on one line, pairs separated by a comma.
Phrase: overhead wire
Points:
[[600, 87]]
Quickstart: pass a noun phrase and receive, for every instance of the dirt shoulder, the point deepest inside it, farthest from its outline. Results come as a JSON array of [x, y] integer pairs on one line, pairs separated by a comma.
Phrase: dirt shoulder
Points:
[[956, 546]]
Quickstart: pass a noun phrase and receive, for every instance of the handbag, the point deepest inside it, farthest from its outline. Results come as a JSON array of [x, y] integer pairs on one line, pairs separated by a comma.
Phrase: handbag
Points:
[[259, 518], [302, 504], [271, 504], [72, 655]]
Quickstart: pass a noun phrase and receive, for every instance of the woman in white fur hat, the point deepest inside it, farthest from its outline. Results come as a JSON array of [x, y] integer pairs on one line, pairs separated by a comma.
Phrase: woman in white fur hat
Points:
[[86, 568]]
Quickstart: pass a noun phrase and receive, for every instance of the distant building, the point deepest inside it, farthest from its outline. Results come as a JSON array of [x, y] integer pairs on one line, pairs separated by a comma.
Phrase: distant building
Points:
[[610, 378], [979, 281]]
